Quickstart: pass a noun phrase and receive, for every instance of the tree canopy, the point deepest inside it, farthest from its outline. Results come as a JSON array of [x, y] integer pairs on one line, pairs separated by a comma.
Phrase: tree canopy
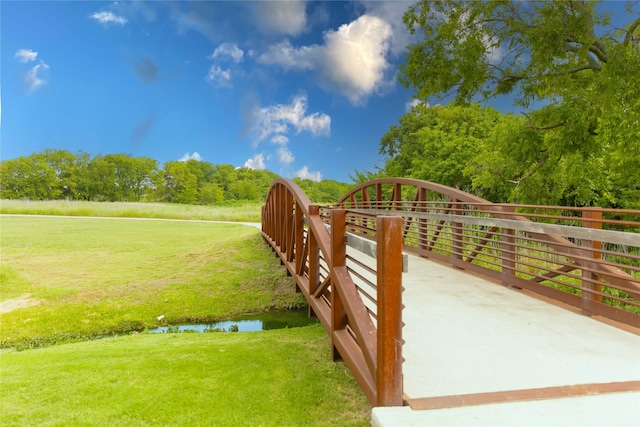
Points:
[[572, 73]]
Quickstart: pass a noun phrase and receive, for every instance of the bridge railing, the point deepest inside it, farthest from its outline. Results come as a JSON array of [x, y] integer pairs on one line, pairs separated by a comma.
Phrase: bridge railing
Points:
[[588, 258], [356, 298]]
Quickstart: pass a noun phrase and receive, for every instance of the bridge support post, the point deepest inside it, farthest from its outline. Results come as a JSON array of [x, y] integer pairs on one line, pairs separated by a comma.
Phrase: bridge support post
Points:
[[338, 259], [389, 296], [592, 218]]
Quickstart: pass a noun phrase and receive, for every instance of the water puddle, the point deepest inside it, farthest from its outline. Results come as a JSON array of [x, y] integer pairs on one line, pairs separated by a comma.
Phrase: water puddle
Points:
[[248, 323]]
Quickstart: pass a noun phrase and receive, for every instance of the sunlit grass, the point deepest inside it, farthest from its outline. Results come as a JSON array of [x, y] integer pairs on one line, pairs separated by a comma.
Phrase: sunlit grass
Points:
[[243, 212], [92, 276], [273, 378]]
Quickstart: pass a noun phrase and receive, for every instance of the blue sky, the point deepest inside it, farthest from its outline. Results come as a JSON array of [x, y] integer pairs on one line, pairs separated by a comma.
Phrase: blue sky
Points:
[[300, 88]]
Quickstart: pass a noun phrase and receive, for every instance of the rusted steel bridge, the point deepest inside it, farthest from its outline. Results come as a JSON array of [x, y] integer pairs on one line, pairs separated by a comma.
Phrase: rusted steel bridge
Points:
[[348, 260]]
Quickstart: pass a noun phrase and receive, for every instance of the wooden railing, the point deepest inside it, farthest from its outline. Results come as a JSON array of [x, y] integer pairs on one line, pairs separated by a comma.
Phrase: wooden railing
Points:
[[356, 298], [588, 258]]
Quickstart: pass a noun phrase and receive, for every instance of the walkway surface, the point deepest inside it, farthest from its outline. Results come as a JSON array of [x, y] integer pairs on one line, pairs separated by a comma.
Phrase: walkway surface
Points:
[[464, 334]]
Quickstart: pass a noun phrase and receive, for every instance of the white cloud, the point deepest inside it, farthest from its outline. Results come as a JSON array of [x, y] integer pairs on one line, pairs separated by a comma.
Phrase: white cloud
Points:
[[305, 174], [285, 156], [289, 57], [393, 12], [352, 61], [107, 18], [194, 20], [414, 102], [280, 140], [230, 50], [495, 52], [356, 59], [195, 156], [219, 77], [256, 162], [281, 17], [280, 119], [276, 121], [25, 55], [32, 79]]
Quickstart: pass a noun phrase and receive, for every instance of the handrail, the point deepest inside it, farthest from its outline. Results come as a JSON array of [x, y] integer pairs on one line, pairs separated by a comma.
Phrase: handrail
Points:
[[317, 260], [453, 226]]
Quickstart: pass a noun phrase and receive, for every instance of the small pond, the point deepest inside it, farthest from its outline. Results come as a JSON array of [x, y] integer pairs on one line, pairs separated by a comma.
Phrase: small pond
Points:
[[247, 323]]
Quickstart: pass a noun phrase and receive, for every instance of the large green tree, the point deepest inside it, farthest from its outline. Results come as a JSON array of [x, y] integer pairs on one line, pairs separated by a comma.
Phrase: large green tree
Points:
[[28, 177], [438, 143], [572, 73], [178, 184], [133, 175]]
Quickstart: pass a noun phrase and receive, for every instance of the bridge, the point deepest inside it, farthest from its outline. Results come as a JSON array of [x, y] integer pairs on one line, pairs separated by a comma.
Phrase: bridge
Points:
[[452, 310]]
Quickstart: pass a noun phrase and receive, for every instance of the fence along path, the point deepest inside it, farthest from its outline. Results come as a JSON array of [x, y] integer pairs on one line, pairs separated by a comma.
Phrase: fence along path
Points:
[[586, 259]]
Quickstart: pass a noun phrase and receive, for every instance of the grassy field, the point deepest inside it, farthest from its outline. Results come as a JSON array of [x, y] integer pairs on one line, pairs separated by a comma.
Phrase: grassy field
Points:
[[87, 276], [274, 378], [243, 212], [78, 279]]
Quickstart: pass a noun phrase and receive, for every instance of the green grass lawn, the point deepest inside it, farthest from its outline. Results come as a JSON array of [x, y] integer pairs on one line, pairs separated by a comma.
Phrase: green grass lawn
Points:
[[95, 276], [274, 378], [88, 277], [243, 212]]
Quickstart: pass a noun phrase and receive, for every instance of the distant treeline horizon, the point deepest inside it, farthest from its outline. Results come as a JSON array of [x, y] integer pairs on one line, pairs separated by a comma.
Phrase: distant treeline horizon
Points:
[[54, 174]]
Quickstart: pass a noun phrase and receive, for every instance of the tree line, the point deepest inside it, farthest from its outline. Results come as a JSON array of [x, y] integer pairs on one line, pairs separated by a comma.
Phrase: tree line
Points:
[[59, 174]]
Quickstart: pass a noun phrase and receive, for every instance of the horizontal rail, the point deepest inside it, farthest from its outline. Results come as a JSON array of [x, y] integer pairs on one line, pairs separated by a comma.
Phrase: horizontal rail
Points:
[[588, 258], [369, 247], [611, 236]]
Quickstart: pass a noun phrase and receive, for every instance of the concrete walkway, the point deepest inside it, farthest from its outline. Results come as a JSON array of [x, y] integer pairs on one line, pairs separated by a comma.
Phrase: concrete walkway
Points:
[[465, 335]]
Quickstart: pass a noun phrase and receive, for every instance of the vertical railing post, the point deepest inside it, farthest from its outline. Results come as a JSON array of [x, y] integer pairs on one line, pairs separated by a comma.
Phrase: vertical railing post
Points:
[[591, 218], [288, 226], [269, 220], [396, 197], [423, 223], [299, 237], [277, 218], [282, 221], [457, 237], [314, 258], [338, 259], [508, 250], [389, 296]]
